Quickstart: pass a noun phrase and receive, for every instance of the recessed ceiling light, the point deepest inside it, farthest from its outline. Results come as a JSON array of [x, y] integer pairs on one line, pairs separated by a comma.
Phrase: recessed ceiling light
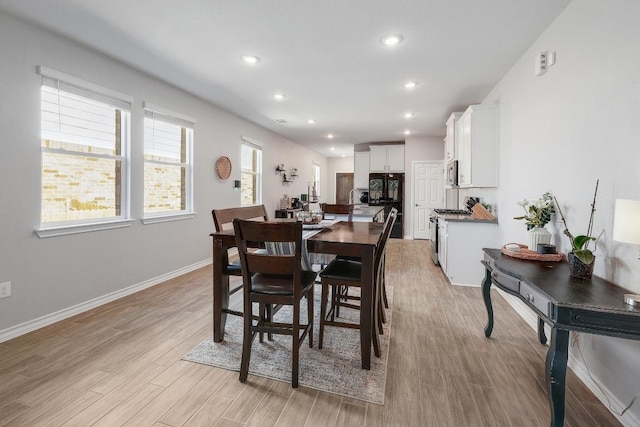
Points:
[[311, 121], [250, 59], [407, 132], [410, 85], [391, 40], [344, 155], [330, 136], [279, 96], [409, 115], [332, 148]]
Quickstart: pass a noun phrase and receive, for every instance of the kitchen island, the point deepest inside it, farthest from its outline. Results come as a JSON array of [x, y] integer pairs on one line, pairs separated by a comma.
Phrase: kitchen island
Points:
[[361, 213], [461, 239]]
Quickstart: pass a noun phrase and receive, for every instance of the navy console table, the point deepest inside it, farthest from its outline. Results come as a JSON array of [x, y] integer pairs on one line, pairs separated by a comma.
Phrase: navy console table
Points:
[[593, 306]]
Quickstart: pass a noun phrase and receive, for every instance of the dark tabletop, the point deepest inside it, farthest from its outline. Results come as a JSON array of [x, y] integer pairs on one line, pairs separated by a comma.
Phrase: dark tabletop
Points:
[[553, 279]]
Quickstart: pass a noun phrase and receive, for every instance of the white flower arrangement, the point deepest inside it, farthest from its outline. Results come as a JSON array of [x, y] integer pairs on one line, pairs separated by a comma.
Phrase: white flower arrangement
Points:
[[537, 213]]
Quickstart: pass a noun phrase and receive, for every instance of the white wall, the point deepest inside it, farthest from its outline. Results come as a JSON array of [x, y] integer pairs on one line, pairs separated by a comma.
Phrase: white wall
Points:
[[417, 148], [51, 275], [562, 131]]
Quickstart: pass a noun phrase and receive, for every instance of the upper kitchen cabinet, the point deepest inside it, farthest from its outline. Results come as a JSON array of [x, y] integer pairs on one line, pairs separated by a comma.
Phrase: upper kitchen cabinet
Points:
[[361, 170], [450, 139], [478, 149], [386, 158]]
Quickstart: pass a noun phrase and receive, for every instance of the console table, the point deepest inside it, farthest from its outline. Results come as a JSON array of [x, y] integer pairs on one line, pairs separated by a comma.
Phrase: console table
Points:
[[594, 306]]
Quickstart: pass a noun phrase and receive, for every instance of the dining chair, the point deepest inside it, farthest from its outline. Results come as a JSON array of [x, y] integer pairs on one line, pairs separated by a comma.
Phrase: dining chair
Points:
[[338, 209], [344, 291], [273, 279], [342, 274], [223, 220]]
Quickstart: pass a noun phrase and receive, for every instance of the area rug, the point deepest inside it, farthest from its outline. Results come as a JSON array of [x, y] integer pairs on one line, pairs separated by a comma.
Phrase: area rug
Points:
[[334, 369]]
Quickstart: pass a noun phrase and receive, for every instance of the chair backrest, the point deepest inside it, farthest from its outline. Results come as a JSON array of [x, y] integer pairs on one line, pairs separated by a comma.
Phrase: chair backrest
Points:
[[223, 218], [386, 232], [337, 209], [269, 263]]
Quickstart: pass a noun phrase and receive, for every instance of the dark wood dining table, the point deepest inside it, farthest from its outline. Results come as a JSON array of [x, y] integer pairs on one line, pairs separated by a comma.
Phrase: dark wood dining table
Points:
[[357, 239]]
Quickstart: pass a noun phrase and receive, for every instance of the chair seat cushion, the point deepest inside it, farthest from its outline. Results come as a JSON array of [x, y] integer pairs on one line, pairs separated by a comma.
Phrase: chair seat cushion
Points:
[[234, 265], [279, 284], [339, 269]]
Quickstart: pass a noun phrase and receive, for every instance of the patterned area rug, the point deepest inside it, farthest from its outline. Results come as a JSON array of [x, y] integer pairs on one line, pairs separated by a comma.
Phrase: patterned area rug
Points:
[[335, 369]]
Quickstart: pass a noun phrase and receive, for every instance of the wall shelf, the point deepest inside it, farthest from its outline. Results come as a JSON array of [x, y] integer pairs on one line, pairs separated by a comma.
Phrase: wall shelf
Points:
[[286, 178]]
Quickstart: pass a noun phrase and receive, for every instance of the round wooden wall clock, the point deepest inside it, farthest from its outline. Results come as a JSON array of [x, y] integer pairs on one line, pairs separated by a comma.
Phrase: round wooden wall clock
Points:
[[223, 167]]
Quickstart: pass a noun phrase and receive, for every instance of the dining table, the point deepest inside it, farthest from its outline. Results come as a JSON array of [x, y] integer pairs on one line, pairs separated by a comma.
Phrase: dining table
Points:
[[353, 239]]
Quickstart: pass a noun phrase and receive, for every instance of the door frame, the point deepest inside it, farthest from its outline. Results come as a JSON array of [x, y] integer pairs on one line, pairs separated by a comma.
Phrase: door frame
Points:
[[413, 183], [335, 184]]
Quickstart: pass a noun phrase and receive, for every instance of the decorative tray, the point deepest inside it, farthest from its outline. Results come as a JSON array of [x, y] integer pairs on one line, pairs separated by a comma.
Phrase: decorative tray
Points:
[[525, 253]]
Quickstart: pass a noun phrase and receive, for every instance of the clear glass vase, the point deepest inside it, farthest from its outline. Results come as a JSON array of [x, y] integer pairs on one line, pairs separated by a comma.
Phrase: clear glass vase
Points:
[[538, 235]]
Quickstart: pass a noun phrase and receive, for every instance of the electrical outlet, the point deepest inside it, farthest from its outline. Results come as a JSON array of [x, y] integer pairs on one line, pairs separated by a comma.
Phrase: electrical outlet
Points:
[[5, 289]]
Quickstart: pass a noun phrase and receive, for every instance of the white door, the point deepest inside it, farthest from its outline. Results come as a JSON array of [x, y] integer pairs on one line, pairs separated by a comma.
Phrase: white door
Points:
[[428, 194]]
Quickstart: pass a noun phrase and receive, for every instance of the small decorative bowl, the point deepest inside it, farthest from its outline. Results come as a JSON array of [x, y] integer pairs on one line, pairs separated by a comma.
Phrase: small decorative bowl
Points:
[[546, 248]]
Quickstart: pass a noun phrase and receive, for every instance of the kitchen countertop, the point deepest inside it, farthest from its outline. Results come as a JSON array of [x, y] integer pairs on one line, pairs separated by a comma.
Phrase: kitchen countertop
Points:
[[364, 210], [466, 218], [361, 213]]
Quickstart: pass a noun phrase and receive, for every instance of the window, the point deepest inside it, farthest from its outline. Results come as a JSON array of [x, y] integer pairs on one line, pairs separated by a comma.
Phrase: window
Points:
[[168, 172], [85, 154], [315, 172], [251, 173]]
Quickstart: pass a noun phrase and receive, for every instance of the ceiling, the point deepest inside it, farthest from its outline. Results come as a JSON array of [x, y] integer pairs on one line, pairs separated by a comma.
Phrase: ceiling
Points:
[[326, 56]]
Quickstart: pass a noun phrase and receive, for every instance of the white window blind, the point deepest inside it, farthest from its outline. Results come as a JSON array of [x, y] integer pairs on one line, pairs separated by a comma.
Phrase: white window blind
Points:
[[250, 173], [84, 140], [168, 145]]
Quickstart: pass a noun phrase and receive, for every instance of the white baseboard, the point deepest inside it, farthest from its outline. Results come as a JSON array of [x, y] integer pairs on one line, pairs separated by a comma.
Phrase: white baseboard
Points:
[[49, 319], [576, 364]]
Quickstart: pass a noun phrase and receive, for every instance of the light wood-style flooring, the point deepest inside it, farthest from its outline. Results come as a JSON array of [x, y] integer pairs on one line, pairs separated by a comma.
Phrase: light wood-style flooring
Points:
[[120, 365]]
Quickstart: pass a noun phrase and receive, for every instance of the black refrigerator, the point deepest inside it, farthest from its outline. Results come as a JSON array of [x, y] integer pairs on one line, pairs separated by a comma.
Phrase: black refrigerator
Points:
[[387, 189]]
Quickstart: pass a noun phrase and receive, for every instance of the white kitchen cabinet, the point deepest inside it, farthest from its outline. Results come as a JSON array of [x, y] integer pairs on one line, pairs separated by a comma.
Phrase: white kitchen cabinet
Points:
[[460, 247], [386, 158], [478, 146], [450, 139], [361, 170]]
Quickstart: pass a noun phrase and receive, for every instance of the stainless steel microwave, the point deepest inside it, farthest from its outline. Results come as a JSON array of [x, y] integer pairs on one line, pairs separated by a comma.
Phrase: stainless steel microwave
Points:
[[451, 174]]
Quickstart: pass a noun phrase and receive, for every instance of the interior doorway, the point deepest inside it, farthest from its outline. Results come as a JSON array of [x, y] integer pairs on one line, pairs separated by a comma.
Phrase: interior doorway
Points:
[[344, 185], [428, 193]]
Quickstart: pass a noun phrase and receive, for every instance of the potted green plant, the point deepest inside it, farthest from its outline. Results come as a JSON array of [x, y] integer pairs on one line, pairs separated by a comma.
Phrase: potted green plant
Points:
[[581, 258]]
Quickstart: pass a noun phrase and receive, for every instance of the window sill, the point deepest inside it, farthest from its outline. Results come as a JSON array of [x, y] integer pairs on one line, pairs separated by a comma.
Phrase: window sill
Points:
[[83, 228], [168, 217]]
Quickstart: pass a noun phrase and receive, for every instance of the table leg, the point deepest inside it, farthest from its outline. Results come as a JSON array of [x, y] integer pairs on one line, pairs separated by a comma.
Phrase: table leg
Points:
[[220, 290], [366, 307], [556, 370], [541, 335], [486, 295]]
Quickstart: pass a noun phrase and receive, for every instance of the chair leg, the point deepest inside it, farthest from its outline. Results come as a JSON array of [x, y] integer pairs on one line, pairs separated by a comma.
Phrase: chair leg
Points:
[[340, 292], [246, 344], [334, 309], [295, 342], [261, 314], [381, 316], [384, 287], [310, 316], [376, 341], [384, 295], [323, 311], [269, 318]]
